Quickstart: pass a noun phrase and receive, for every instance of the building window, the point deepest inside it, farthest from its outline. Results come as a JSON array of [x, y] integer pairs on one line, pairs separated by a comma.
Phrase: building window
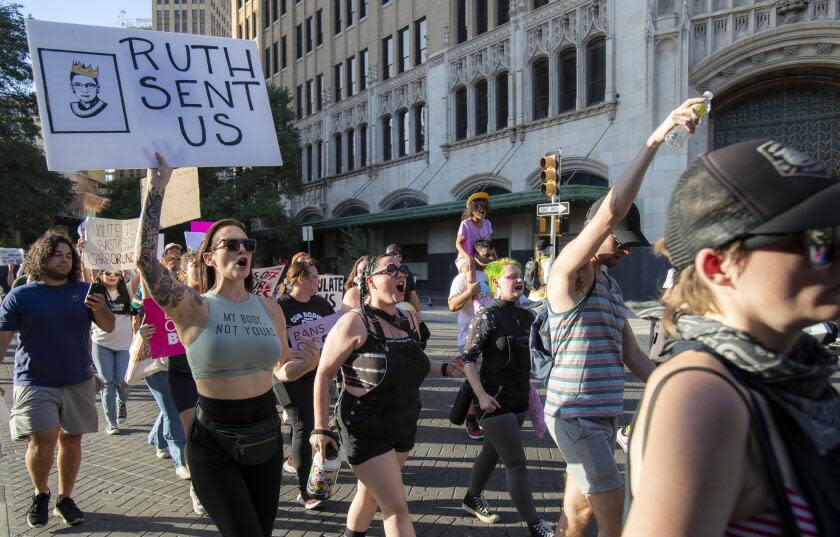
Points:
[[481, 117], [351, 150], [274, 58], [403, 50], [539, 89], [285, 48], [253, 25], [177, 20], [480, 16], [461, 21], [461, 113], [319, 91], [266, 14], [267, 60], [201, 21], [351, 76], [336, 17], [309, 34], [596, 71], [299, 41], [319, 149], [274, 13], [159, 23], [385, 2], [363, 145], [421, 51], [299, 101], [419, 128], [402, 132], [502, 12], [310, 97], [362, 9], [194, 21], [338, 81], [319, 27], [338, 150], [386, 138], [363, 70], [567, 82], [283, 7], [539, 3], [308, 162], [387, 57], [165, 21], [351, 11], [501, 101]]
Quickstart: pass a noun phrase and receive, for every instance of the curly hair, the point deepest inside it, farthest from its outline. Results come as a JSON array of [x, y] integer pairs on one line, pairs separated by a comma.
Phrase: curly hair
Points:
[[40, 252], [187, 258], [494, 270]]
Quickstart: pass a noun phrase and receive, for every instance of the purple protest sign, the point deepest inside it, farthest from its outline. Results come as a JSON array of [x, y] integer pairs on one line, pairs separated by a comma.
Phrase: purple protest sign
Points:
[[317, 329], [199, 226], [165, 340]]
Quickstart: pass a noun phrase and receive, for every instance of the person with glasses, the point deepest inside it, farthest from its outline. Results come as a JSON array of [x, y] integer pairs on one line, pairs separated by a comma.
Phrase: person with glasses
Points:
[[110, 349], [474, 227], [591, 342], [738, 433], [234, 341], [498, 340], [382, 365], [295, 381]]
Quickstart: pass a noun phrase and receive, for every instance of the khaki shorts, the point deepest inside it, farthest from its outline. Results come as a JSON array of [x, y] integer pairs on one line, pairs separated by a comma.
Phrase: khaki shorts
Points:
[[588, 447], [38, 408]]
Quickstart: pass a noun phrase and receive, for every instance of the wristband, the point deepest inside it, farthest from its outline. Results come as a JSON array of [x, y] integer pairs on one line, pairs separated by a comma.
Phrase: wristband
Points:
[[443, 367], [324, 432]]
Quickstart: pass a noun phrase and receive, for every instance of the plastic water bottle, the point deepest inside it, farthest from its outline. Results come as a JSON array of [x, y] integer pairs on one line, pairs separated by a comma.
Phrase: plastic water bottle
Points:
[[323, 474], [678, 136]]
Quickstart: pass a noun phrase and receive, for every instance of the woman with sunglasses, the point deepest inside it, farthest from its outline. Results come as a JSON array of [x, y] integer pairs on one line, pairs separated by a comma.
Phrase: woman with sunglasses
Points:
[[110, 349], [738, 432], [234, 340], [352, 285], [294, 383], [498, 339], [382, 364], [474, 227]]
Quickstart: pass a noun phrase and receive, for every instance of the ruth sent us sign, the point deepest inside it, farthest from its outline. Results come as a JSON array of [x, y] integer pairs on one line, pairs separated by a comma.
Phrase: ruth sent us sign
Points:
[[112, 97]]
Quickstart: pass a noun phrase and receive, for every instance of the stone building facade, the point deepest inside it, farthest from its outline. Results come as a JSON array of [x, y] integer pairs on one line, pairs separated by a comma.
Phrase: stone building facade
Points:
[[407, 107], [204, 17]]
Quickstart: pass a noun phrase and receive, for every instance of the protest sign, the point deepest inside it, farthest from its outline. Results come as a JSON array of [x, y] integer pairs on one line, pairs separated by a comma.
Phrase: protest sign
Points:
[[181, 202], [331, 287], [193, 239], [110, 243], [199, 226], [317, 329], [11, 256], [164, 342], [266, 279], [112, 97]]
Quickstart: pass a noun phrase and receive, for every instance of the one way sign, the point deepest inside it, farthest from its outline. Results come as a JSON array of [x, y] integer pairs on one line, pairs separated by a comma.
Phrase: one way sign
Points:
[[553, 209]]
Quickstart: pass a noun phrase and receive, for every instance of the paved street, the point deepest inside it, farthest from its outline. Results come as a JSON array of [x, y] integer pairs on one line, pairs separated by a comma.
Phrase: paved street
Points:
[[125, 490]]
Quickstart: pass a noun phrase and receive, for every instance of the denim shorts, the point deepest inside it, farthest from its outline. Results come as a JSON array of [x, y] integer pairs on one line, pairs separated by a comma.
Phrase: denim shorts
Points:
[[588, 446]]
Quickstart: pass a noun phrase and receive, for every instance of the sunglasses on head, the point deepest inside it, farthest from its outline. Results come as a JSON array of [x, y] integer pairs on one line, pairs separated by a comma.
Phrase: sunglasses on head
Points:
[[232, 245], [392, 270], [819, 245]]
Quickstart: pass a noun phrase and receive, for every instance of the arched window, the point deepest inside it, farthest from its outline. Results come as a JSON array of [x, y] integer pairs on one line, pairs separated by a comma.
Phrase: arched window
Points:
[[363, 145], [481, 117], [461, 113], [387, 128], [308, 162], [351, 150], [419, 127], [402, 132], [539, 88], [567, 80], [596, 71], [501, 101], [337, 149]]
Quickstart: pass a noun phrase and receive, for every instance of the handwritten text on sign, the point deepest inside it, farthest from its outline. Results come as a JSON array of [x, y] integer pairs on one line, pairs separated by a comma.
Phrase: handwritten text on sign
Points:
[[112, 97], [110, 243], [317, 329], [11, 256], [265, 280], [164, 342], [331, 287]]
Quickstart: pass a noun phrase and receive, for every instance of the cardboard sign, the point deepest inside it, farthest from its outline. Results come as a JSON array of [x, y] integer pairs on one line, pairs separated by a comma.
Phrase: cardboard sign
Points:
[[193, 239], [112, 97], [181, 203], [331, 287], [11, 256], [164, 342], [317, 329], [199, 226], [110, 243], [266, 279]]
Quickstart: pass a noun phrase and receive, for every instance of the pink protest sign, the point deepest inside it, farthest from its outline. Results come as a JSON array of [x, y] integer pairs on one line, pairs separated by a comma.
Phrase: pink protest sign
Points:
[[317, 329], [165, 340], [199, 226]]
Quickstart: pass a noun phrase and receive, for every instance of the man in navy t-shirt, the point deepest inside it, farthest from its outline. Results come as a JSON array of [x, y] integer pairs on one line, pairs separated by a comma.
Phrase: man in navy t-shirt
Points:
[[54, 389]]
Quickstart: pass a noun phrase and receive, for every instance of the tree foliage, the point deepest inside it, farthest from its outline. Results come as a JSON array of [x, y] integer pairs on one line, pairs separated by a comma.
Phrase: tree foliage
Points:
[[123, 198], [354, 244]]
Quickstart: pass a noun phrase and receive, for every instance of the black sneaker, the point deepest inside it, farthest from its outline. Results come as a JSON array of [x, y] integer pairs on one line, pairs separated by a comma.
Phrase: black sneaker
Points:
[[67, 510], [122, 413], [541, 528], [477, 506], [39, 512]]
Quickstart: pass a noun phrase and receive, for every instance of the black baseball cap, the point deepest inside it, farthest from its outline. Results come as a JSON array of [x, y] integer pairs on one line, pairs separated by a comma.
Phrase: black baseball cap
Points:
[[758, 187], [393, 249], [629, 230]]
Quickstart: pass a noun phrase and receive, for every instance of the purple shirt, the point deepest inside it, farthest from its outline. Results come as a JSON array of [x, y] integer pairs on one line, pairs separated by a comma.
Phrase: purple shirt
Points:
[[472, 234]]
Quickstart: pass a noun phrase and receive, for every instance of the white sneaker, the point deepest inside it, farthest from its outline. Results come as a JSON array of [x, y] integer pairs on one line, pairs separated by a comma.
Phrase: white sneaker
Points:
[[622, 437], [111, 429], [197, 507], [288, 467], [309, 504], [182, 472], [162, 453]]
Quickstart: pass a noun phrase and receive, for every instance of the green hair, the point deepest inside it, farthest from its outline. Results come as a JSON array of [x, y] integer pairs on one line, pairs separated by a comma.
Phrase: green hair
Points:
[[494, 270]]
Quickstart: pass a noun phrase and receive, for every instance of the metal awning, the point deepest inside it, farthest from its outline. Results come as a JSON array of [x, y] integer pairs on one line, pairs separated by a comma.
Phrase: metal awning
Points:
[[498, 202]]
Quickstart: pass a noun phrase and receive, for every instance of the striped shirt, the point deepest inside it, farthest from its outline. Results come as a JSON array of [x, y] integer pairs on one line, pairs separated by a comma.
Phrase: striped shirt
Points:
[[587, 377], [767, 524]]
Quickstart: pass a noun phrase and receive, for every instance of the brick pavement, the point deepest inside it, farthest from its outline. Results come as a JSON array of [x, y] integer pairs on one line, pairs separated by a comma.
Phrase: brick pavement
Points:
[[124, 490]]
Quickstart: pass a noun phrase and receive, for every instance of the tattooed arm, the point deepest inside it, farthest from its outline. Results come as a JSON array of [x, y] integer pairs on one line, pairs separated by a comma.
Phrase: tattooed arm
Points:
[[180, 302]]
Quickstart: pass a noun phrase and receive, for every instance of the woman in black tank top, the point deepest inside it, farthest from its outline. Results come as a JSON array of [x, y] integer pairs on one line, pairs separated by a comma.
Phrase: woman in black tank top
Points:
[[378, 351]]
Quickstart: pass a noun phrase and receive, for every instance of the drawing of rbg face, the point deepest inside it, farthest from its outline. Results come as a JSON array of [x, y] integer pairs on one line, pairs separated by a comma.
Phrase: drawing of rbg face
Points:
[[84, 82]]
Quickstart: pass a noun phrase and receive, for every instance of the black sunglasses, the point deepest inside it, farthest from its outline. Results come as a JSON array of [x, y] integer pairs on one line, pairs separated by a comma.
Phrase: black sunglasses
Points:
[[819, 246], [392, 270], [232, 245]]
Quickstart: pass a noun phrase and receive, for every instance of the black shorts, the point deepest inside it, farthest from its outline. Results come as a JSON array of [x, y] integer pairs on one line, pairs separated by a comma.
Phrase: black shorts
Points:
[[184, 392], [367, 431]]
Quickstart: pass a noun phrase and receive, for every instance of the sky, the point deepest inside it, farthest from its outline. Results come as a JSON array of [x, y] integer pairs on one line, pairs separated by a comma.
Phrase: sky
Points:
[[93, 12]]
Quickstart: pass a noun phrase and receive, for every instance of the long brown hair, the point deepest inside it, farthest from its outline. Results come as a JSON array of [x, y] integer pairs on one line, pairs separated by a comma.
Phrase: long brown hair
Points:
[[122, 288], [298, 268], [208, 273], [41, 251], [350, 281]]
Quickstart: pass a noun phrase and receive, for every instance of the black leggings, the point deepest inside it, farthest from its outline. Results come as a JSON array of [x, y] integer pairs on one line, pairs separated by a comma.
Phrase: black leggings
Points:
[[241, 500], [502, 438], [300, 406]]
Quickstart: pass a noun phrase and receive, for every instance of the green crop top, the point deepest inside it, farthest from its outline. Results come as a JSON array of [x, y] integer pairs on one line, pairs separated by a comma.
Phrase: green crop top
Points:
[[238, 338]]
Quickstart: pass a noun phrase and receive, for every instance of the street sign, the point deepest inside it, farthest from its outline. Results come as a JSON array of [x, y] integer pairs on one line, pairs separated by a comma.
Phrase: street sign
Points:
[[307, 234], [553, 209]]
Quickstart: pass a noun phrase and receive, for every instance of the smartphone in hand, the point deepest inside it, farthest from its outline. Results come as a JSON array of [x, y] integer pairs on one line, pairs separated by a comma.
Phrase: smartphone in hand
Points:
[[97, 288]]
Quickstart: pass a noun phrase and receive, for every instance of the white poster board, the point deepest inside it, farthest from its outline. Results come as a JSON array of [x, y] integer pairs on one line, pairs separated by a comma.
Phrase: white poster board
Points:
[[331, 287], [11, 256], [182, 202], [112, 97], [266, 279], [110, 243]]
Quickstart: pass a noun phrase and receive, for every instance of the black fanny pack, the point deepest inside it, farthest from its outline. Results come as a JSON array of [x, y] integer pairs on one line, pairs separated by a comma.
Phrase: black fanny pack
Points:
[[248, 444]]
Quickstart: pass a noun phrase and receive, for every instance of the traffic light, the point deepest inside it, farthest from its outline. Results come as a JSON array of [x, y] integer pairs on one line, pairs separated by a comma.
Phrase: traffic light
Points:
[[548, 173], [561, 226]]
